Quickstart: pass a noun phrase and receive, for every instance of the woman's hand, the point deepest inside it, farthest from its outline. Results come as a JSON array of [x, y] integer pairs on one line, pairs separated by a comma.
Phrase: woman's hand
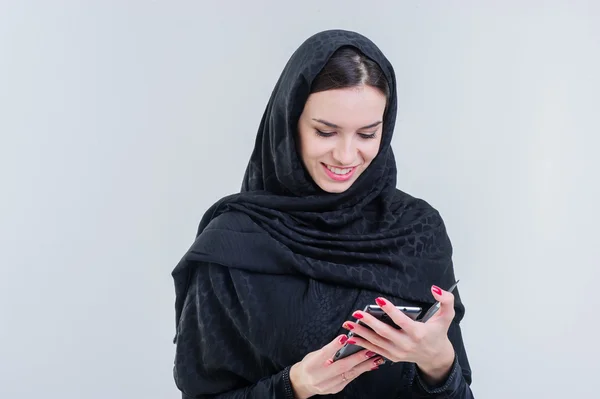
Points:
[[317, 374], [425, 344]]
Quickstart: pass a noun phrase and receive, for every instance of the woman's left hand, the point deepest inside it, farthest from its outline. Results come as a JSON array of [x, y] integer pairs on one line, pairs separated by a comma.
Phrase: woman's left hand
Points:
[[425, 344]]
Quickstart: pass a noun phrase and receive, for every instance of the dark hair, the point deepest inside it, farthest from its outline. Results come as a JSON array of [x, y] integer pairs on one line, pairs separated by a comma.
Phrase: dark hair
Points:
[[349, 67]]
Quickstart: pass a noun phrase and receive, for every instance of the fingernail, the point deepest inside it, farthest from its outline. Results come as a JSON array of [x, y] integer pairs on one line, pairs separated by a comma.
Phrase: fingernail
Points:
[[343, 340], [348, 326], [380, 301], [351, 342], [370, 354], [357, 315], [437, 290], [379, 362]]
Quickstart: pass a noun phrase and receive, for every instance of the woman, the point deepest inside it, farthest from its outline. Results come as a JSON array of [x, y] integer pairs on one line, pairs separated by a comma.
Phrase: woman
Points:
[[277, 274]]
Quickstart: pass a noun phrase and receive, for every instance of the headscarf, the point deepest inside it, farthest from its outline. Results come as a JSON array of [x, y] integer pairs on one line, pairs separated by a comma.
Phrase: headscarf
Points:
[[371, 236]]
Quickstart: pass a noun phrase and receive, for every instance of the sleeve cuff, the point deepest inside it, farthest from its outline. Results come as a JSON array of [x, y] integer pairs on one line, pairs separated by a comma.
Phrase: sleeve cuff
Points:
[[289, 393], [443, 387]]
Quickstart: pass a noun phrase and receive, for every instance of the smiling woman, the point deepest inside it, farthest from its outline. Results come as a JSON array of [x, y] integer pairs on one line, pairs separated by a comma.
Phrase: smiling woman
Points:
[[338, 135], [319, 231], [339, 128]]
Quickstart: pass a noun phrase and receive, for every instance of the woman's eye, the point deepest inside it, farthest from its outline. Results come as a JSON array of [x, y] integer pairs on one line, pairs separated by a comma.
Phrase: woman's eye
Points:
[[368, 135], [361, 135], [324, 134]]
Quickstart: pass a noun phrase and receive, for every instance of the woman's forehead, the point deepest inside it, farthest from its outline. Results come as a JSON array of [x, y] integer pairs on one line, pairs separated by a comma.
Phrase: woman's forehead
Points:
[[347, 108]]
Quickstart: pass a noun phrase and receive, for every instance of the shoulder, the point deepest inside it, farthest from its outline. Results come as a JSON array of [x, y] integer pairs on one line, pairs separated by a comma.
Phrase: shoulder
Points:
[[419, 219], [233, 228], [233, 221], [412, 209]]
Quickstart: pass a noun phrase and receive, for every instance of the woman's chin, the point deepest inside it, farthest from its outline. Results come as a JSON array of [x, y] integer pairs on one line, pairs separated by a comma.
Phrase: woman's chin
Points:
[[334, 187]]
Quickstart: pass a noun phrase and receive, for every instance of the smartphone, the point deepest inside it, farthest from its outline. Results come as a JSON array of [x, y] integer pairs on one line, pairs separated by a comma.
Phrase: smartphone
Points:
[[348, 349]]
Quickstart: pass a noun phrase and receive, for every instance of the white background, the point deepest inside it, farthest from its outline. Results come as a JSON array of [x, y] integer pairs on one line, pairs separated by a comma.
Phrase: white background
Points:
[[122, 121]]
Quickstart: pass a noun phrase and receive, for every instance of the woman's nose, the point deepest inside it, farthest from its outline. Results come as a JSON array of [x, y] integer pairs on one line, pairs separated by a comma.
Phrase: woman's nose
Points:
[[345, 154]]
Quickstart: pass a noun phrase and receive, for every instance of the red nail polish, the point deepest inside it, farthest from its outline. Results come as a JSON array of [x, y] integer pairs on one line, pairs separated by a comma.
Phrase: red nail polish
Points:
[[348, 326], [343, 340], [370, 354], [357, 315], [437, 290], [378, 362], [351, 342], [380, 301]]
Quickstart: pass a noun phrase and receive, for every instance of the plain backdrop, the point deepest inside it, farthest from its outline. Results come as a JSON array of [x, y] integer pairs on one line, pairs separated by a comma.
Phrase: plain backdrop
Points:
[[122, 121]]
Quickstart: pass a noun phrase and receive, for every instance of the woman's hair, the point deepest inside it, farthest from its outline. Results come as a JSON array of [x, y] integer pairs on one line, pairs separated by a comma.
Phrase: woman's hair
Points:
[[348, 67]]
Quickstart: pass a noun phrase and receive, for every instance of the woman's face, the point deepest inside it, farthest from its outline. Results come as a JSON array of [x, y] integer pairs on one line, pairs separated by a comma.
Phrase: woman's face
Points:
[[340, 132]]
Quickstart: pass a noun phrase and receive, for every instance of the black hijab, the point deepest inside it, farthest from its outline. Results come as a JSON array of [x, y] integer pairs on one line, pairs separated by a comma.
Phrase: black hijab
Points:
[[371, 237]]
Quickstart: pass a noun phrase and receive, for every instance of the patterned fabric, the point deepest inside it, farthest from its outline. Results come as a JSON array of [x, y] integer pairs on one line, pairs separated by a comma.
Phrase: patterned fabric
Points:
[[277, 268]]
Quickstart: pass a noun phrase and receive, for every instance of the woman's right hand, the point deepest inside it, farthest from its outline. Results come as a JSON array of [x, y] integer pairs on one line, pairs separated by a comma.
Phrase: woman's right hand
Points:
[[317, 374]]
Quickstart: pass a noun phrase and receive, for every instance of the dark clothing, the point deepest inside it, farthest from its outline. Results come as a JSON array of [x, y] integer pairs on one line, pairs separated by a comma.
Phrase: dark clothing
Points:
[[276, 269]]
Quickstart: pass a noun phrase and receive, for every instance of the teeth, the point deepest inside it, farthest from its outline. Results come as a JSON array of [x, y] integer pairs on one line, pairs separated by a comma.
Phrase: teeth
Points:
[[339, 171]]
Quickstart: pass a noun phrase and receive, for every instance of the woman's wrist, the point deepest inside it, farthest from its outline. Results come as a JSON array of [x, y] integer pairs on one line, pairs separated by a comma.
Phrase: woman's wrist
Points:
[[300, 392], [436, 371]]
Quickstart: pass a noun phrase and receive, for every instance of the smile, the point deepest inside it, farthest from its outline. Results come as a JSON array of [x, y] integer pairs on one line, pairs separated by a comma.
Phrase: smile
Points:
[[339, 174]]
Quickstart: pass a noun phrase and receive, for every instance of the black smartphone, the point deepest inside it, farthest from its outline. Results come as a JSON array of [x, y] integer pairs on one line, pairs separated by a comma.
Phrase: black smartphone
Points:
[[348, 349]]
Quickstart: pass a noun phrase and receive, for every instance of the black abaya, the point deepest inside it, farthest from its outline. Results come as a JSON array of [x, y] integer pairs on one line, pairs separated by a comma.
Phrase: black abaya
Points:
[[276, 269]]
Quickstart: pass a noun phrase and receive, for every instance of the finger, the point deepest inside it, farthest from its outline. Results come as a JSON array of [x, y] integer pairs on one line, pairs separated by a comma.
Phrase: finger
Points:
[[446, 300], [373, 342], [329, 350], [397, 316], [379, 327], [368, 365], [385, 351], [348, 363], [378, 335]]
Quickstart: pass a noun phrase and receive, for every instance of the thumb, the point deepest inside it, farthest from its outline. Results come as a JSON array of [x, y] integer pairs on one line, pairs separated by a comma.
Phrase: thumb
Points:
[[446, 300]]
